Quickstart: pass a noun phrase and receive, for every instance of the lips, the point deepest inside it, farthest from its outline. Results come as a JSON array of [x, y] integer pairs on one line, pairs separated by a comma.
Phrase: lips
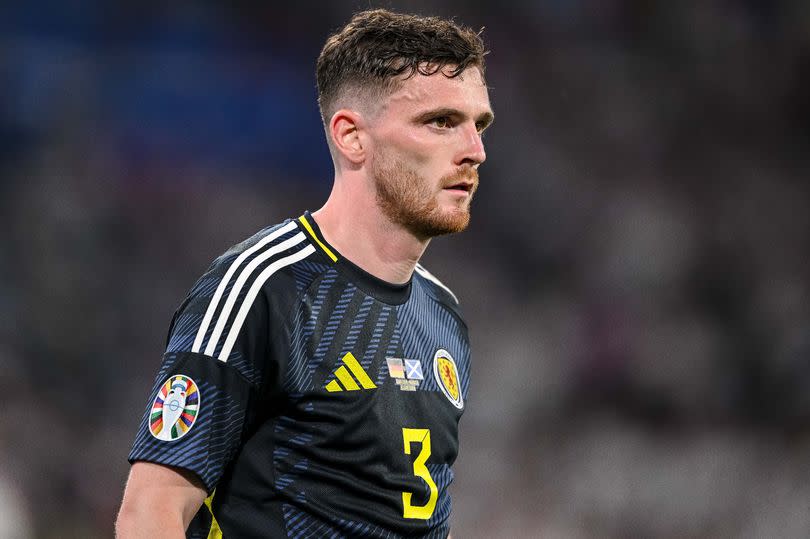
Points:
[[464, 180], [463, 185]]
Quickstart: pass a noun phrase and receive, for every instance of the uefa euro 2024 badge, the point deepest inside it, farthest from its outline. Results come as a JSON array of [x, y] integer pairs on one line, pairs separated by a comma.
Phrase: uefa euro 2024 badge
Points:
[[175, 408], [446, 373]]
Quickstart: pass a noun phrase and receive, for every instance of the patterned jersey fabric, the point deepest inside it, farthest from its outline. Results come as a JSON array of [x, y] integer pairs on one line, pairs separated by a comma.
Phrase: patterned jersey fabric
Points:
[[311, 398]]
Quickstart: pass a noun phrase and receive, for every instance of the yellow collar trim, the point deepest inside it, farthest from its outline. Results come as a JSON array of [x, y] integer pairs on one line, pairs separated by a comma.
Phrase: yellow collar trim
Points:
[[326, 249]]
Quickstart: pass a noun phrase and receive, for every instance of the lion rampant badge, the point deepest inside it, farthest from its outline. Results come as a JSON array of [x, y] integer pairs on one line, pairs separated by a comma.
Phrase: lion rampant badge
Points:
[[446, 373]]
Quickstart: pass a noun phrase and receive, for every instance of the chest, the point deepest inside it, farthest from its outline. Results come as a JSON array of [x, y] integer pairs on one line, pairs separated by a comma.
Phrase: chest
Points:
[[361, 368]]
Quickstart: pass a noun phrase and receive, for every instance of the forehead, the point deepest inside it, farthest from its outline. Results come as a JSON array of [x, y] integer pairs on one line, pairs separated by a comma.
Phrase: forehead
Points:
[[466, 92]]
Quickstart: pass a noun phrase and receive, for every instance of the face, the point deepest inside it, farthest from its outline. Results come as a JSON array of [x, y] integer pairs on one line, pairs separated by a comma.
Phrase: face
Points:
[[426, 149]]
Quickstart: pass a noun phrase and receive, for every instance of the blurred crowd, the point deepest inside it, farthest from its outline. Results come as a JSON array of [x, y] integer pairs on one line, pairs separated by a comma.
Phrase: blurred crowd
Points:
[[635, 278]]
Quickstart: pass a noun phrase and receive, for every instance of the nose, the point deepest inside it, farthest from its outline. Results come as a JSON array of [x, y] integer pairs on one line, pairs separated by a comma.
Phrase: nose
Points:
[[472, 151]]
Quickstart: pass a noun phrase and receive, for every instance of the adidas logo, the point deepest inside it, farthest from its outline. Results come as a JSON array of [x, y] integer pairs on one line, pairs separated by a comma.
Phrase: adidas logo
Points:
[[344, 380]]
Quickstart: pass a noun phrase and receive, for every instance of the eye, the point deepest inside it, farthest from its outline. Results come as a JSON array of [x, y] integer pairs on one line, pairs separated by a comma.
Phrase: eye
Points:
[[442, 122]]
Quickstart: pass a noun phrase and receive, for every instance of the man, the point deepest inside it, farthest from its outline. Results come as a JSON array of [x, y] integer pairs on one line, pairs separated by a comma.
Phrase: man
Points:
[[315, 375]]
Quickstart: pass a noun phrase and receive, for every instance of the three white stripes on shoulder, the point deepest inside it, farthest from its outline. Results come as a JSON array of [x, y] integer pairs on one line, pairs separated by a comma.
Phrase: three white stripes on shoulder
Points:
[[253, 291]]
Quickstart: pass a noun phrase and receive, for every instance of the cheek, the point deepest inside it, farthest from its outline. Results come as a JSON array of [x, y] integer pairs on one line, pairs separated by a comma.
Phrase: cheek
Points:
[[411, 147], [428, 158]]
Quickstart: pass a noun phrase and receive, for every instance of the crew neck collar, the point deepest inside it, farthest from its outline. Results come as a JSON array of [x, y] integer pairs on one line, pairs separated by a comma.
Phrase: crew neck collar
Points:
[[391, 293]]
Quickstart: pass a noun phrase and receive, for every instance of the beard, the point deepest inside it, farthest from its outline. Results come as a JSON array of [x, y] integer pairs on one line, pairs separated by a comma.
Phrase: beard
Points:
[[410, 200]]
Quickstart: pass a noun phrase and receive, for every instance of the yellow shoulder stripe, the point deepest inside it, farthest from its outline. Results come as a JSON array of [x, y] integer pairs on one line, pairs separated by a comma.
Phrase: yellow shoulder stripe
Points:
[[317, 240]]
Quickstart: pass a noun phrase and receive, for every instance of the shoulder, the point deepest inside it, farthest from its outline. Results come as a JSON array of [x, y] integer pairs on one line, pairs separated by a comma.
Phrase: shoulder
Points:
[[276, 255], [269, 241], [439, 291], [253, 282]]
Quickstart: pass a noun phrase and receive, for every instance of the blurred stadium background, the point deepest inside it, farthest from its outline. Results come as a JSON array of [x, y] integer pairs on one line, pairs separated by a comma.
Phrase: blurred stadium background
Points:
[[636, 276]]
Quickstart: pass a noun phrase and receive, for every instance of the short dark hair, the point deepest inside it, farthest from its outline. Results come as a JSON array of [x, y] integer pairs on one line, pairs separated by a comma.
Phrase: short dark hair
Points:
[[378, 46]]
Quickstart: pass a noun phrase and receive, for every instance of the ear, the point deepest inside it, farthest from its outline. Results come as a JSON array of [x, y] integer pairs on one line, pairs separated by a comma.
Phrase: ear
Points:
[[344, 128]]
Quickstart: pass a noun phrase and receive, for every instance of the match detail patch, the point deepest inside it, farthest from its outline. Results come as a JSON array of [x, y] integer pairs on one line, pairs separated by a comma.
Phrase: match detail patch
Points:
[[446, 373], [407, 373], [175, 408]]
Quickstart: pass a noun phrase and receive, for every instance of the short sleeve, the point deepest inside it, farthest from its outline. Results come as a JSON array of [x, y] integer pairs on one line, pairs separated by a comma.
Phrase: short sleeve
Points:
[[218, 362]]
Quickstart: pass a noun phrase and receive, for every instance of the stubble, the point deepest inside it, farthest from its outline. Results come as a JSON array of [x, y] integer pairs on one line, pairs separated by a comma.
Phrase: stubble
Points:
[[408, 199]]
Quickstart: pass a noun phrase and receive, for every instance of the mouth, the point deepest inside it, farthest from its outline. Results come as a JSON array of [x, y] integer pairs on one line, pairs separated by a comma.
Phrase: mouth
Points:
[[463, 186]]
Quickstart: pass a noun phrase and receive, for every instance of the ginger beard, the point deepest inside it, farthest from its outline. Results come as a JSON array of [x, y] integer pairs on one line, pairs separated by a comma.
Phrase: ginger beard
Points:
[[408, 199]]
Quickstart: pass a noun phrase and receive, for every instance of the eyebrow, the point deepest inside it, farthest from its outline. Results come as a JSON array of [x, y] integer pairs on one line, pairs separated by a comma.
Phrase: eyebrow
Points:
[[486, 118]]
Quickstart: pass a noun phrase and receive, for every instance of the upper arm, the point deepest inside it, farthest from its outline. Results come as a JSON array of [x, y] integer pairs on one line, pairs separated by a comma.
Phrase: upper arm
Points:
[[159, 496], [217, 365]]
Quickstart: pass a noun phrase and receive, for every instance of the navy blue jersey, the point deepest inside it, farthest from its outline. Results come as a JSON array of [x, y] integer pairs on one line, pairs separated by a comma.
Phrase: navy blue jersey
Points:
[[311, 398]]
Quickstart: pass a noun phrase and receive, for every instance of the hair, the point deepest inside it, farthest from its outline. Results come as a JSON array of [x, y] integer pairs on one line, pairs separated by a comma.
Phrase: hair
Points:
[[378, 49]]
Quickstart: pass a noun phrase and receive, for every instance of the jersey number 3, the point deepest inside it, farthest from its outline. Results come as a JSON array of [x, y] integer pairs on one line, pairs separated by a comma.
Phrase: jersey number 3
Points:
[[423, 512]]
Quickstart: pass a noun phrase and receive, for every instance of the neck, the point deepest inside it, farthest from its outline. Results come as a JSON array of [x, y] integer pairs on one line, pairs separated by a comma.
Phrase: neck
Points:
[[352, 222]]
